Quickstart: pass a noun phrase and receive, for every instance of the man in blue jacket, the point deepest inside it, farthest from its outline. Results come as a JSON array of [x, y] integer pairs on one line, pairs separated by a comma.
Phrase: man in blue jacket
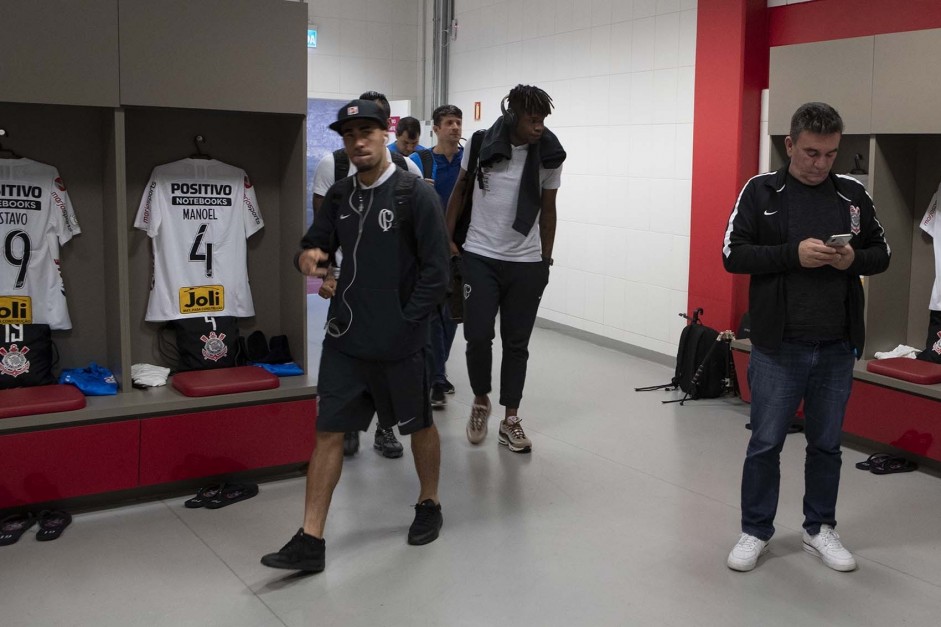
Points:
[[806, 305], [394, 273]]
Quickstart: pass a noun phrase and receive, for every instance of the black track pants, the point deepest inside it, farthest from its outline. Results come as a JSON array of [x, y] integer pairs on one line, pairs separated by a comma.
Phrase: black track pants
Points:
[[513, 289]]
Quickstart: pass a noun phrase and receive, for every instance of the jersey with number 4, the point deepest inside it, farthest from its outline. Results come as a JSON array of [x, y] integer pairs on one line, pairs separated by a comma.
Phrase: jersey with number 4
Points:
[[36, 217], [198, 214]]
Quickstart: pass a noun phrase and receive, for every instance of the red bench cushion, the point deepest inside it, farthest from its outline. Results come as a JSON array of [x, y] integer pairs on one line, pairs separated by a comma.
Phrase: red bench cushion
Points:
[[40, 399], [224, 381], [914, 370]]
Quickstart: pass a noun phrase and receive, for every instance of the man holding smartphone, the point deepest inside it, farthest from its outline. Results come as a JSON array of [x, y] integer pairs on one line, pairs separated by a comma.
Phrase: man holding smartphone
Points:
[[805, 235]]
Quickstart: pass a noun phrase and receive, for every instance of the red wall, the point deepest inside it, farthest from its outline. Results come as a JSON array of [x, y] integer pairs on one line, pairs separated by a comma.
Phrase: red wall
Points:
[[733, 40], [731, 71], [824, 20]]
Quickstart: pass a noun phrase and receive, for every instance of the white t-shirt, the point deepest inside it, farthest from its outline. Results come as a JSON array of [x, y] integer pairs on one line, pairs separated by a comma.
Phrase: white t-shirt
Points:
[[931, 224], [491, 232], [36, 216], [323, 176], [198, 214]]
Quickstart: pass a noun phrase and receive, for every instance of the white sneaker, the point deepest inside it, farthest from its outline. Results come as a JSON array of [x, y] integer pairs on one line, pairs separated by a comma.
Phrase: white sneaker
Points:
[[513, 437], [745, 553], [477, 423], [899, 351], [827, 546]]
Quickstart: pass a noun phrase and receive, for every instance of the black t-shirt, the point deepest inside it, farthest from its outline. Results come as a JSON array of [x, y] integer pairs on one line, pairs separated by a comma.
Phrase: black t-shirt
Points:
[[815, 297]]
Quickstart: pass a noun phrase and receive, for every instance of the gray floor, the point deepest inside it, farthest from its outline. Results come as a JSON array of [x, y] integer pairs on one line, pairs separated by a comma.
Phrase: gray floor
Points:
[[623, 515]]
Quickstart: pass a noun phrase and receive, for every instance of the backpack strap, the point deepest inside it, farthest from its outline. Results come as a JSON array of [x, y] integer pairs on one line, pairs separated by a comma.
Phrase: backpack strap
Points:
[[473, 165], [341, 164], [399, 160], [404, 188], [427, 163]]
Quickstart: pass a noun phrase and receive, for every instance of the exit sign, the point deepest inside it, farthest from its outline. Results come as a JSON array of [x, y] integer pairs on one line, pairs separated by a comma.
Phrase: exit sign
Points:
[[311, 37]]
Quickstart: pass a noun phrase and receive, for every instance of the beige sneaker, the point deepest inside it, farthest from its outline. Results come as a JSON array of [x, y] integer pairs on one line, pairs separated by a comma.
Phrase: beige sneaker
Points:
[[513, 437], [477, 423]]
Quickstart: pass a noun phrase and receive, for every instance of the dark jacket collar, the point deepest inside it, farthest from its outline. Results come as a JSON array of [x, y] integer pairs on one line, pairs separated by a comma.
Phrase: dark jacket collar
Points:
[[779, 181]]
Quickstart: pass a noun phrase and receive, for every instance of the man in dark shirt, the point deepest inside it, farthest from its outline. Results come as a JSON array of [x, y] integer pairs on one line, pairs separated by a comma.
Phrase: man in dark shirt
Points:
[[806, 304], [445, 158], [394, 273]]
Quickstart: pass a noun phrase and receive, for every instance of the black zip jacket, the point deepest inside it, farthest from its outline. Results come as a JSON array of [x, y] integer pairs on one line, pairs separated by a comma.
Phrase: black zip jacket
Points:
[[756, 244], [395, 267]]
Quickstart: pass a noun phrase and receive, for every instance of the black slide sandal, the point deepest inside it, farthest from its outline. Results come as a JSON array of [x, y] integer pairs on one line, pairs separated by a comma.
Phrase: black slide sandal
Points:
[[12, 527], [873, 460], [204, 496], [233, 493], [893, 465], [51, 524]]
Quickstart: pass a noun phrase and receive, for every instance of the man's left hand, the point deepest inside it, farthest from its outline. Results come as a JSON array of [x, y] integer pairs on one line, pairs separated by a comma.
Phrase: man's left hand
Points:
[[845, 259]]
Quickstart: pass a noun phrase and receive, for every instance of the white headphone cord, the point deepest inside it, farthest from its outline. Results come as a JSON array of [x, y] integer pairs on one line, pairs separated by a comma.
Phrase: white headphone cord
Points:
[[333, 330]]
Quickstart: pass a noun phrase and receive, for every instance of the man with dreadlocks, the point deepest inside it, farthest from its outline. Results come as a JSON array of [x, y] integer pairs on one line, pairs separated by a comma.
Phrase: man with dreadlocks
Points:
[[502, 211]]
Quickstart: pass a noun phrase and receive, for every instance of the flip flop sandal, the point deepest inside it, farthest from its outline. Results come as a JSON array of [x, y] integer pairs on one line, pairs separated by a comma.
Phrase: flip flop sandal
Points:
[[893, 465], [204, 496], [51, 524], [233, 493], [873, 460], [12, 527]]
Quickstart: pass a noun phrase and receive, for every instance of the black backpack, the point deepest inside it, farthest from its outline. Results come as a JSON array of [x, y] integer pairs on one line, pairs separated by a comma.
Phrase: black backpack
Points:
[[341, 163], [427, 162], [27, 355], [703, 362], [201, 343], [473, 161]]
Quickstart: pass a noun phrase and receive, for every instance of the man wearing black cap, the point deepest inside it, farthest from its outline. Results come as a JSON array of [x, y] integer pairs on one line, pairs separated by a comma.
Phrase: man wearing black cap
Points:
[[394, 273]]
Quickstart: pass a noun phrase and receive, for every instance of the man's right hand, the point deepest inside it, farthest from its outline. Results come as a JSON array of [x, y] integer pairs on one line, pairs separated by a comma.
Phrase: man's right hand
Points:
[[813, 253], [455, 251], [312, 262]]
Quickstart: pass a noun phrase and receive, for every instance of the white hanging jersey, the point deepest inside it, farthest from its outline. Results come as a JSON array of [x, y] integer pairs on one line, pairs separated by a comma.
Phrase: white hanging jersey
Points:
[[198, 213], [36, 217], [931, 224]]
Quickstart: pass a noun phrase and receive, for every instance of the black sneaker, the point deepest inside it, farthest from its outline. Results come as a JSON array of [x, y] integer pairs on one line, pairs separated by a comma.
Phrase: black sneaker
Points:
[[448, 387], [427, 523], [302, 552], [437, 395], [386, 443], [350, 443]]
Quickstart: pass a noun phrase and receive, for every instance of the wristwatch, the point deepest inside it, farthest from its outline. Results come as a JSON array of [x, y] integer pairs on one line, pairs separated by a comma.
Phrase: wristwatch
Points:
[[548, 260]]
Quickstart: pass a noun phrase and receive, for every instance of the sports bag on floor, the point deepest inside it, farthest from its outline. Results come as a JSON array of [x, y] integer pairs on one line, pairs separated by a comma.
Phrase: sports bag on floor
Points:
[[703, 362]]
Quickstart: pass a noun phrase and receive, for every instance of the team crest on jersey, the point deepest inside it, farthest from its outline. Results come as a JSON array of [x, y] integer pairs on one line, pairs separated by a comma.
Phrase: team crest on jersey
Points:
[[214, 347], [13, 362], [60, 183], [854, 219], [386, 220]]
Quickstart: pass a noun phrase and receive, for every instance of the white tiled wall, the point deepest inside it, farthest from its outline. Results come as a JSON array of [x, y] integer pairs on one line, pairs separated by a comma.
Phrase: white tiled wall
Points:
[[621, 75], [365, 45]]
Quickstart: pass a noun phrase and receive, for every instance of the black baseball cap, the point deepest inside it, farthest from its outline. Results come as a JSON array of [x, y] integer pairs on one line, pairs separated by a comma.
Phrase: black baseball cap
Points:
[[360, 110]]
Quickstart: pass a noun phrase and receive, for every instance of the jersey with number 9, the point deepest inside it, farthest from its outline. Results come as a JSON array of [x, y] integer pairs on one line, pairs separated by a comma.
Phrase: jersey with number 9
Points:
[[36, 217]]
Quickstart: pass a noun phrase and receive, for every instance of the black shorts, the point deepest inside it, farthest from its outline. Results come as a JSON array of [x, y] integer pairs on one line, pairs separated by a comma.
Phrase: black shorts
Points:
[[351, 390]]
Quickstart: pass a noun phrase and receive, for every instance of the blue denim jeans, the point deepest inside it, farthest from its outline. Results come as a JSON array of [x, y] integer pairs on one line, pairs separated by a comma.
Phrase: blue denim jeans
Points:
[[442, 329], [820, 374]]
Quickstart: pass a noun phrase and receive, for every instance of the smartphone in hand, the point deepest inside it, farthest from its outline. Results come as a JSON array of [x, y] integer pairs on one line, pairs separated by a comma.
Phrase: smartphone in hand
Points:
[[838, 241]]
